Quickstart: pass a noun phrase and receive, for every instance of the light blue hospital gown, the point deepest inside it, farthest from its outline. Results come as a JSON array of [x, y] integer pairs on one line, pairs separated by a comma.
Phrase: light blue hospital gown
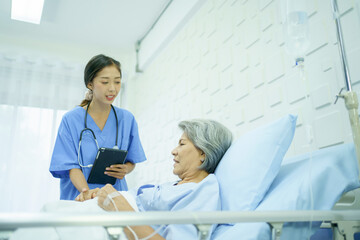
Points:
[[189, 197], [65, 154]]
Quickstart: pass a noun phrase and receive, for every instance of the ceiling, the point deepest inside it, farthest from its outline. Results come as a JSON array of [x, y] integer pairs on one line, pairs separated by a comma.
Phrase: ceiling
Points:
[[108, 24]]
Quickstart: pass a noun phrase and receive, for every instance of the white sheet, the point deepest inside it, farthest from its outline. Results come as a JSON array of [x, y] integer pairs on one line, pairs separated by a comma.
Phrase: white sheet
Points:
[[69, 233]]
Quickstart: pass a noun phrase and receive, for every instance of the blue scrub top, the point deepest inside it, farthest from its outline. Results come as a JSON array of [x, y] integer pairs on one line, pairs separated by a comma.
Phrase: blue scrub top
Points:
[[65, 154]]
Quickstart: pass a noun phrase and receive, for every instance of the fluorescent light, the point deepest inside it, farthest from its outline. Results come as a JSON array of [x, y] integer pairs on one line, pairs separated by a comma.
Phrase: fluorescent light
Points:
[[27, 10]]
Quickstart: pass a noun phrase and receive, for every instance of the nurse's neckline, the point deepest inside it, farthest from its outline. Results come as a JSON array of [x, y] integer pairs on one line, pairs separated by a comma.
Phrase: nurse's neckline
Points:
[[100, 118]]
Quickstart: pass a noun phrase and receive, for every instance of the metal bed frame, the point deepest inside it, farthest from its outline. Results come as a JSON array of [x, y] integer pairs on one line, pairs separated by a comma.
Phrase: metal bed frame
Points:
[[345, 222]]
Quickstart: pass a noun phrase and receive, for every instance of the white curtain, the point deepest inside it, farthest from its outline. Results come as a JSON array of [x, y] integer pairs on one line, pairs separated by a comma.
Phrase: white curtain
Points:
[[34, 94]]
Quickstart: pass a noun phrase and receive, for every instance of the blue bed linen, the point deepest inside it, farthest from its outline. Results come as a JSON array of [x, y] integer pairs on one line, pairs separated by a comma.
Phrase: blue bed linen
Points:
[[189, 197], [243, 231], [331, 172], [323, 234], [66, 146], [327, 234]]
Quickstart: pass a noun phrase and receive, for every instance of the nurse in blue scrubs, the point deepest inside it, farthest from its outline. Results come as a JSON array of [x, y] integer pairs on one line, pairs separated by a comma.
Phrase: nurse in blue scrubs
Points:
[[71, 162]]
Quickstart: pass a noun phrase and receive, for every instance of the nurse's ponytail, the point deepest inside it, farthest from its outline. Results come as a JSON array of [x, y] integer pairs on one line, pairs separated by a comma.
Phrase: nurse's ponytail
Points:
[[96, 64], [88, 98]]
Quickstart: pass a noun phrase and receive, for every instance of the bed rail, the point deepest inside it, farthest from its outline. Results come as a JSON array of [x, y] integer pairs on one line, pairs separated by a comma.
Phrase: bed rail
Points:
[[203, 220]]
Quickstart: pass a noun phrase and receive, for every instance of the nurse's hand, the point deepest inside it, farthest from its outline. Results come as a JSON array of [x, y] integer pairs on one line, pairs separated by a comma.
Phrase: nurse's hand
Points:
[[105, 203], [119, 170], [87, 194]]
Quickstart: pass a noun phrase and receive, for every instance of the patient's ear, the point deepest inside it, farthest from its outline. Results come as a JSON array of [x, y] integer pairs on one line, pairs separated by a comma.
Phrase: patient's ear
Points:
[[202, 156]]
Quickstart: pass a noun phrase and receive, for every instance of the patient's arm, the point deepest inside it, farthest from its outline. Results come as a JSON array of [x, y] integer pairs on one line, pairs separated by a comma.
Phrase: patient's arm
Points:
[[142, 232], [123, 205]]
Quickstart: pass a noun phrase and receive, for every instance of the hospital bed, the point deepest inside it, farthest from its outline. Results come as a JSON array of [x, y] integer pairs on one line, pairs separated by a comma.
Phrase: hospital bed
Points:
[[263, 196]]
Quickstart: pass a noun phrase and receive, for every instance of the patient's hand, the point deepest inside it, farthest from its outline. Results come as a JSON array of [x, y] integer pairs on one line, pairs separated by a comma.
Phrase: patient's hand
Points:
[[87, 194], [121, 203]]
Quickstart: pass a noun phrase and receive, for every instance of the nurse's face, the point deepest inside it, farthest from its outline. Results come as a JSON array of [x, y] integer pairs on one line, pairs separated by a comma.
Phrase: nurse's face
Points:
[[106, 85], [187, 158]]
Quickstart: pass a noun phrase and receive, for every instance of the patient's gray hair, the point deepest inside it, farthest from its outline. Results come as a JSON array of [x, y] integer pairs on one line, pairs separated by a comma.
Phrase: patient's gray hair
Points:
[[209, 136]]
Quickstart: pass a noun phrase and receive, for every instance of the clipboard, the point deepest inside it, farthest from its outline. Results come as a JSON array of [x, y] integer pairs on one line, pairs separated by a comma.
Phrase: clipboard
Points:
[[104, 158]]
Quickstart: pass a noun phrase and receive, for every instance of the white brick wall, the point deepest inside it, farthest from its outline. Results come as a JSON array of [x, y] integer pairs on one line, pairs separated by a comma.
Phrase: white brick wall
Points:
[[229, 63]]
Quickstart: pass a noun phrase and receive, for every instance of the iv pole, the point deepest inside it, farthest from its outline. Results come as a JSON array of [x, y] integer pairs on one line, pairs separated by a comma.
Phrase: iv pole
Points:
[[350, 97], [351, 103]]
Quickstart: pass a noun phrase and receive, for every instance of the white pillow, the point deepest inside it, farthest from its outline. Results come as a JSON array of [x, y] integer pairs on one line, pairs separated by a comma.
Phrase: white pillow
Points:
[[251, 163]]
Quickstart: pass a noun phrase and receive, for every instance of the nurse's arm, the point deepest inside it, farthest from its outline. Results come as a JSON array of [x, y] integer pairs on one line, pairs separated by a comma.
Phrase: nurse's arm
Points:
[[119, 170], [78, 180], [130, 167]]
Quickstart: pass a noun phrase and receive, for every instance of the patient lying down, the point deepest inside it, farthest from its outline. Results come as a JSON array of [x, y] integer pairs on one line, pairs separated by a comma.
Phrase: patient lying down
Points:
[[199, 150]]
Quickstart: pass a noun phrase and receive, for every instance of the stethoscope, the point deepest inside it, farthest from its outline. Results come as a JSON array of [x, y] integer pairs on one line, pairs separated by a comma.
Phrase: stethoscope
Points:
[[92, 132]]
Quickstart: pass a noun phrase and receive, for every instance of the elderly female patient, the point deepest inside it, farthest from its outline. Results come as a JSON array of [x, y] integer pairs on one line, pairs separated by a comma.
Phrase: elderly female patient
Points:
[[199, 150]]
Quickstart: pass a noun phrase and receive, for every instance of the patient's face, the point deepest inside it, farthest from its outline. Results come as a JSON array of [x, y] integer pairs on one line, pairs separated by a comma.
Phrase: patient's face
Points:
[[187, 158]]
